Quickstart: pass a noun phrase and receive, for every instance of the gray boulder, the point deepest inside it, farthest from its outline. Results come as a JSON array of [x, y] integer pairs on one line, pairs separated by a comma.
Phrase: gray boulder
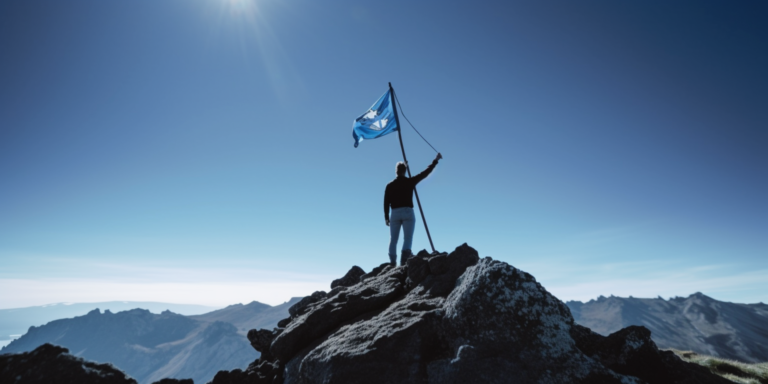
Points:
[[261, 340], [442, 269], [376, 271], [390, 346], [301, 307], [351, 278], [346, 304]]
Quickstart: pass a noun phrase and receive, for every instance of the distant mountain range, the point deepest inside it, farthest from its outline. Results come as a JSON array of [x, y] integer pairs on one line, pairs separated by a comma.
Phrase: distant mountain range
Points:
[[15, 322], [698, 323], [149, 347], [251, 316]]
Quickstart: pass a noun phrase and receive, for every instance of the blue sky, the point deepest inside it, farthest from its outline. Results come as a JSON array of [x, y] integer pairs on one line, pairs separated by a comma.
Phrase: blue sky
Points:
[[200, 151]]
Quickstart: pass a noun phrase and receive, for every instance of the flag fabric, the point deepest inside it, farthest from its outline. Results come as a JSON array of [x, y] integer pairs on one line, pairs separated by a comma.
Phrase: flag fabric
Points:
[[378, 121]]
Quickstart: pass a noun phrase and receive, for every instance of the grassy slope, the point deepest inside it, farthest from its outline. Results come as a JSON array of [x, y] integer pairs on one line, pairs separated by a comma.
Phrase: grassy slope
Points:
[[732, 370]]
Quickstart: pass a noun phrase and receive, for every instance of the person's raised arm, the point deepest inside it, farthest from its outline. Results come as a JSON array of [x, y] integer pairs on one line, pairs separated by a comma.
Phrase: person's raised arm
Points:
[[427, 171]]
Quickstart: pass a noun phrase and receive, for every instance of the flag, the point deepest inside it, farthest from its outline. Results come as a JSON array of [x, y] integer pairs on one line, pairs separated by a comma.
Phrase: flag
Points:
[[378, 121]]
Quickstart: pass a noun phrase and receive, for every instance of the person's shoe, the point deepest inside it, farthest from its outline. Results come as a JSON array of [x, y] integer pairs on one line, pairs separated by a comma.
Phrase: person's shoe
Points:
[[407, 254]]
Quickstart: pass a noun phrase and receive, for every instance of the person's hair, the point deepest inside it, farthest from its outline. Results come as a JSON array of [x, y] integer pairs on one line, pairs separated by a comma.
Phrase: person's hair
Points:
[[400, 168]]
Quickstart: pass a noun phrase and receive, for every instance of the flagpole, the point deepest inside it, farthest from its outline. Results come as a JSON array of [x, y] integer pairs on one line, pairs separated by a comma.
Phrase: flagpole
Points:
[[400, 136]]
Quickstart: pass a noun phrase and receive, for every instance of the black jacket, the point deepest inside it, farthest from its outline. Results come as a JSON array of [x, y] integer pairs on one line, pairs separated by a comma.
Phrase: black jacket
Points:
[[399, 192]]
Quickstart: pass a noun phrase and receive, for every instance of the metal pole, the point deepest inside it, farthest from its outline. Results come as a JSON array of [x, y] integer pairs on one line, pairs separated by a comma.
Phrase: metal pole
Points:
[[408, 168]]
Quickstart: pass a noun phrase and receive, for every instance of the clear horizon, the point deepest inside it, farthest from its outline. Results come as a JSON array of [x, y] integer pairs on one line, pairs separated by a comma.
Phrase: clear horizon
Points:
[[217, 307], [201, 151]]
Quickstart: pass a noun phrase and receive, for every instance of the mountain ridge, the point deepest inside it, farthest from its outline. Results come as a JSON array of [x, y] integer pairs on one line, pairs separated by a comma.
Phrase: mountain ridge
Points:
[[150, 347], [16, 321], [698, 323], [249, 316]]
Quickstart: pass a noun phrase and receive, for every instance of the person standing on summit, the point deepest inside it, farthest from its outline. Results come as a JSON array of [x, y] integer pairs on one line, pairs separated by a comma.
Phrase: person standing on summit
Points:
[[399, 196]]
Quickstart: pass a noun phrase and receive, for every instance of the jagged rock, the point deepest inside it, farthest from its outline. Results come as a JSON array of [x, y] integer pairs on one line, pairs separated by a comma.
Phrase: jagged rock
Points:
[[631, 351], [351, 278], [439, 264], [335, 291], [424, 254], [261, 340], [388, 347], [174, 381], [282, 323], [322, 317], [454, 318], [444, 269], [376, 271], [418, 270], [235, 376], [258, 372], [301, 307], [53, 364]]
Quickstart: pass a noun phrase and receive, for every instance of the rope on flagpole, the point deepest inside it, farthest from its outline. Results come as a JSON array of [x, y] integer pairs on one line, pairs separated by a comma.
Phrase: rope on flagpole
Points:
[[397, 99]]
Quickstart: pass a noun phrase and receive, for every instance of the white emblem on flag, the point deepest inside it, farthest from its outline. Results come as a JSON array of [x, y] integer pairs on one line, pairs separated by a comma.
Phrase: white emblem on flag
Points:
[[379, 125], [371, 114], [376, 125]]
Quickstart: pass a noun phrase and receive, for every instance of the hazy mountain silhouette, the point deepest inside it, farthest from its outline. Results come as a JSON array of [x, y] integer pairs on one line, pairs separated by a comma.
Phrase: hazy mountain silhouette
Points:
[[249, 316], [149, 347], [698, 323], [16, 321]]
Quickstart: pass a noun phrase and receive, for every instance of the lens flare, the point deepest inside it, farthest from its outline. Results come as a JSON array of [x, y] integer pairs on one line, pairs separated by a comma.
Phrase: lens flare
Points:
[[250, 23], [241, 6]]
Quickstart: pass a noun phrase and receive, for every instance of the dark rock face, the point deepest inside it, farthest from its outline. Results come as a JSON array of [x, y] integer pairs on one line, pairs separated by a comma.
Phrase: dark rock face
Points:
[[174, 381], [257, 372], [346, 304], [631, 351], [386, 346], [301, 307], [53, 364], [261, 340], [443, 269], [451, 318], [375, 272], [351, 278]]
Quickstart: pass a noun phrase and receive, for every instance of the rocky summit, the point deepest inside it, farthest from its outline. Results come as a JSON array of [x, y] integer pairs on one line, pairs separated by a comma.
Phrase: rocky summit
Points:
[[49, 363], [53, 364], [450, 318]]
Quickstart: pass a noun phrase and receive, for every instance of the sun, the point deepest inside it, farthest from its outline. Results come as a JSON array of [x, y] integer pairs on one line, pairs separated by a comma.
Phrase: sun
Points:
[[238, 6]]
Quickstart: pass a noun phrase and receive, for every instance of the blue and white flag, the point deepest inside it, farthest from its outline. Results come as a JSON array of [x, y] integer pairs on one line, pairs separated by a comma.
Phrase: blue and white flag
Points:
[[377, 122]]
